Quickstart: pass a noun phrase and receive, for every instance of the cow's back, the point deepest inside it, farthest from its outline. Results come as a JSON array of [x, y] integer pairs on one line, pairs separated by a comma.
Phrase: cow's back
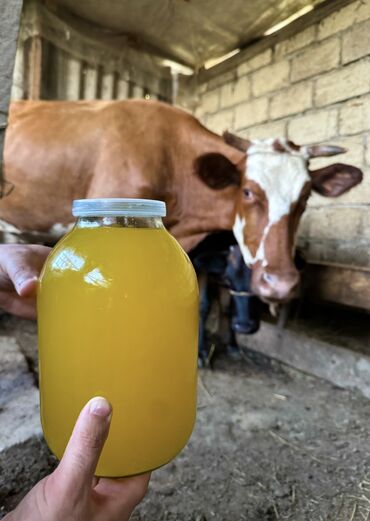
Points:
[[53, 151], [58, 151]]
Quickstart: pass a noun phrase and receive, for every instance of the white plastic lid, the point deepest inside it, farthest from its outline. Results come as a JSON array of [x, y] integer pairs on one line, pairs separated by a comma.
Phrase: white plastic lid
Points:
[[118, 207]]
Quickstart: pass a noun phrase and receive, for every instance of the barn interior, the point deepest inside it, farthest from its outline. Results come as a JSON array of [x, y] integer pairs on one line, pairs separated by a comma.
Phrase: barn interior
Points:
[[282, 430]]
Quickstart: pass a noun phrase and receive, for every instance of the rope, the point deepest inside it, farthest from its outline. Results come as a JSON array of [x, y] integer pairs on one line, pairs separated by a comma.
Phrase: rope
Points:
[[240, 293]]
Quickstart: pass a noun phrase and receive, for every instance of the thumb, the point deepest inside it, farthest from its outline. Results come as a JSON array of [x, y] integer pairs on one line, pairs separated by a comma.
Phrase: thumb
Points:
[[23, 277], [26, 286], [76, 469]]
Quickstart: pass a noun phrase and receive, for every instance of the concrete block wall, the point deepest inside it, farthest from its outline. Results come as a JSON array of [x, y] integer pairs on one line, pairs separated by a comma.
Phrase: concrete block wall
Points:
[[312, 87]]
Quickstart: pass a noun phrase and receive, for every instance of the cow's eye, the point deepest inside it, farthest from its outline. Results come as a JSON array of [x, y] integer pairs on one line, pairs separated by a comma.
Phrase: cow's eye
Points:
[[248, 194]]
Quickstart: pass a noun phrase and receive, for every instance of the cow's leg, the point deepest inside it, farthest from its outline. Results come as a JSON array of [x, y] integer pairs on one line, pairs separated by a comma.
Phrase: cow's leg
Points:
[[205, 303], [232, 347]]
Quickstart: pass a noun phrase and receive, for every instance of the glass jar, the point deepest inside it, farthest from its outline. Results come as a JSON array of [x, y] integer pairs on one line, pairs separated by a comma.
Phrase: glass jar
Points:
[[118, 317]]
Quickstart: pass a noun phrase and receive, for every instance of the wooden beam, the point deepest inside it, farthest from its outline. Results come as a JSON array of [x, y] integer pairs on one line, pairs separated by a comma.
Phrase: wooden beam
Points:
[[338, 283], [10, 14], [336, 364]]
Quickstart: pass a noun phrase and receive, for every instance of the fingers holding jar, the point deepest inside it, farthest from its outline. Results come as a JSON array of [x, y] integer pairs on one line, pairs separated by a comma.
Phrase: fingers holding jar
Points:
[[20, 267], [71, 492]]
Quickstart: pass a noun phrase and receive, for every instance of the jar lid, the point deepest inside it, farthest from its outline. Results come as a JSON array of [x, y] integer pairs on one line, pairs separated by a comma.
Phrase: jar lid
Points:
[[118, 207]]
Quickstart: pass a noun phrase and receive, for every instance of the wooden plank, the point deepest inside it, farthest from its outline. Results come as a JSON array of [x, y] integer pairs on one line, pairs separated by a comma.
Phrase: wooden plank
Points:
[[347, 285], [10, 13], [336, 364]]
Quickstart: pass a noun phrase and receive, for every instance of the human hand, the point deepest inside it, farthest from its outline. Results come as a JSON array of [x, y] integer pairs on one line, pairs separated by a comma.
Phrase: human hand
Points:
[[71, 492], [20, 266]]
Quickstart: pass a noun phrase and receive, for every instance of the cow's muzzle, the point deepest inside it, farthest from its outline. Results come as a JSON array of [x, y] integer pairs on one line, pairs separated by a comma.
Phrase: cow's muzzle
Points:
[[276, 287], [245, 312]]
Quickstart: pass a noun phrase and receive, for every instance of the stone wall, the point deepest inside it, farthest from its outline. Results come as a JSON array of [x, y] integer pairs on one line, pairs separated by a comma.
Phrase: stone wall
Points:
[[10, 13], [311, 87]]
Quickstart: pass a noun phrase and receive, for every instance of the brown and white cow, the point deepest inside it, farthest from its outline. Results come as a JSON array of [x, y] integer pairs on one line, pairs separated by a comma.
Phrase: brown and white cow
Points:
[[59, 151], [274, 191]]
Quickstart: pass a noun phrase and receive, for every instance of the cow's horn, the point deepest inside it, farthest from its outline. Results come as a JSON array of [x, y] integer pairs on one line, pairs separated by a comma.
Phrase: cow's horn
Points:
[[236, 141], [324, 150]]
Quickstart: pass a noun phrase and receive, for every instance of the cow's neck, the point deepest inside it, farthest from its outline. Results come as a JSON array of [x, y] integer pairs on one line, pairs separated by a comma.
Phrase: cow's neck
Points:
[[210, 211], [195, 210]]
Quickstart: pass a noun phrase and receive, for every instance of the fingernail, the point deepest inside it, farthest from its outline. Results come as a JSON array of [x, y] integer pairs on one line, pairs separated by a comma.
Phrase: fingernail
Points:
[[21, 284], [100, 407]]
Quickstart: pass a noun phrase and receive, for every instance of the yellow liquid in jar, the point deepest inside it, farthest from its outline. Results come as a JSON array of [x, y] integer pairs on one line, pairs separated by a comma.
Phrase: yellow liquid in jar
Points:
[[118, 317]]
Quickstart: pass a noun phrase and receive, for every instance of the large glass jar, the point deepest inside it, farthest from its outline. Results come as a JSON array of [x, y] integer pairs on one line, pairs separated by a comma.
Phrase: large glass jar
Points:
[[118, 317]]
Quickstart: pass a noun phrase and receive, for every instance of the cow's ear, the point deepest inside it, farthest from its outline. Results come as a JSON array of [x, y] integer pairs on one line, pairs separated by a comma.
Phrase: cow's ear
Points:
[[335, 180], [217, 171]]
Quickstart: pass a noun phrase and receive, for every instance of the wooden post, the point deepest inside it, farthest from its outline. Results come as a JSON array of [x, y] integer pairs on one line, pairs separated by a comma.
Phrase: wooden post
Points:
[[72, 77], [137, 92], [90, 83], [17, 92], [10, 14], [107, 86], [122, 89], [35, 68]]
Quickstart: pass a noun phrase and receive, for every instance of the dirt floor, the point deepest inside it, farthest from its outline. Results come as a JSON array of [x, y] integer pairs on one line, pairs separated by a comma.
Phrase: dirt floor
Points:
[[270, 444]]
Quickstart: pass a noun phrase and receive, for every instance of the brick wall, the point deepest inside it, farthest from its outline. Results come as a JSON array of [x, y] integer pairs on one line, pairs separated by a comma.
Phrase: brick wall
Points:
[[311, 87]]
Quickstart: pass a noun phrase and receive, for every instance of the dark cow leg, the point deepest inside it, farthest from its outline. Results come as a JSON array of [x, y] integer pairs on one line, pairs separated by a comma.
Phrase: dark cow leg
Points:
[[205, 303], [232, 348]]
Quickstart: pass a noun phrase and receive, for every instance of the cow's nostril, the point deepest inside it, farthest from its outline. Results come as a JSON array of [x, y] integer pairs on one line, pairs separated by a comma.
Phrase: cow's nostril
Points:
[[268, 278], [278, 286]]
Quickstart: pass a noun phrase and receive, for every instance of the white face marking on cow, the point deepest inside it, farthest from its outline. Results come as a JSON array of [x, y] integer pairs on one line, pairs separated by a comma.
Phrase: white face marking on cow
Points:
[[260, 254], [282, 176], [238, 230]]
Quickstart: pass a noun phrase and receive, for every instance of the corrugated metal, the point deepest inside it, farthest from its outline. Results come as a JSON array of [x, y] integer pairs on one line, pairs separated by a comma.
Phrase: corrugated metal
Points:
[[188, 31]]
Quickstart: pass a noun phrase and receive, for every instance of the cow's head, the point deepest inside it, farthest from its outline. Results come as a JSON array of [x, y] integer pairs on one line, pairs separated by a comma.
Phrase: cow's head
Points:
[[245, 306], [273, 184]]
